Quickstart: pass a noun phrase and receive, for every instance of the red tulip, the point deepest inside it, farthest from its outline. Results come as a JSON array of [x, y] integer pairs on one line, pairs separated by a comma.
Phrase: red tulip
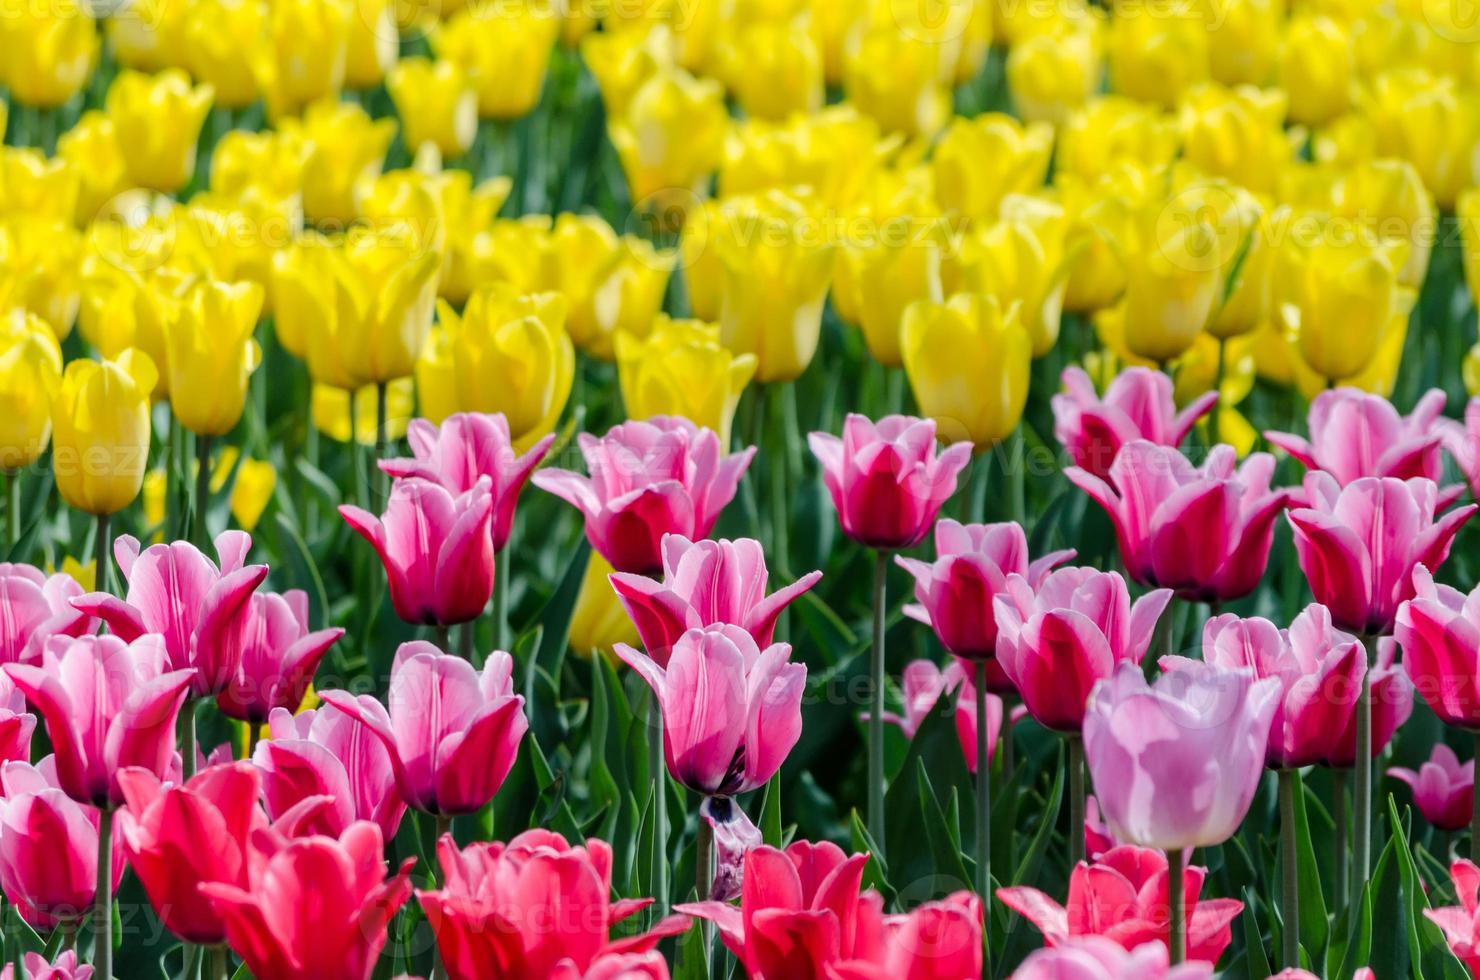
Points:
[[277, 657], [33, 607], [1137, 405], [1461, 923], [1355, 434], [534, 908], [1443, 790]]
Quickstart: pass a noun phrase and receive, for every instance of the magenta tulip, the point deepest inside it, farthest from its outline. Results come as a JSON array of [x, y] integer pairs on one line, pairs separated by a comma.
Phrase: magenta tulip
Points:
[[1461, 923], [954, 593], [1359, 544], [1097, 958], [277, 659], [64, 967], [437, 549], [1176, 764], [922, 684], [314, 908], [704, 583], [1319, 670], [886, 480], [1462, 440], [1439, 631], [1355, 434], [195, 606], [662, 476], [1056, 641], [1443, 790], [534, 908], [731, 711], [34, 607], [107, 705], [1203, 532], [1392, 703], [452, 733], [323, 753], [16, 725], [1137, 405], [463, 448]]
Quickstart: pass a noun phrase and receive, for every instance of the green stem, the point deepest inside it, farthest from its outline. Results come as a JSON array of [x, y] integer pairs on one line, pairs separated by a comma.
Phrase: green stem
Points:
[[1338, 814], [1076, 799], [442, 637], [467, 640], [201, 535], [12, 509], [1475, 816], [876, 717], [382, 437], [500, 599], [983, 812], [780, 463], [1177, 934], [703, 860], [1215, 428], [172, 457], [219, 963], [187, 739], [1289, 871], [103, 907], [1362, 832], [1014, 464], [102, 553], [658, 773]]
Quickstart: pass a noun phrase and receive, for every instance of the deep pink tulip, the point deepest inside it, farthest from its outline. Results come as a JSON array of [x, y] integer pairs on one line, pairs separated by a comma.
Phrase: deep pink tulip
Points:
[[323, 752], [1392, 703], [1056, 641], [534, 908], [966, 722], [16, 725], [617, 966], [1461, 923], [939, 940], [1359, 544], [64, 967], [1124, 896], [1363, 973], [922, 683], [1355, 434], [1098, 958], [731, 711], [1203, 532], [33, 607], [954, 593], [705, 582], [1097, 837], [180, 837], [48, 847], [1176, 764], [278, 657], [463, 448], [197, 607], [452, 733], [661, 476], [1443, 790], [436, 547], [1462, 440], [885, 479], [314, 908], [1137, 405], [1319, 669], [107, 705], [1439, 631]]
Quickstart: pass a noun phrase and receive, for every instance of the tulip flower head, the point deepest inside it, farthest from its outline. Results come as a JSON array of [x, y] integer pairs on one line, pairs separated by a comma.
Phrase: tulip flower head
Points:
[[1098, 958], [64, 967], [1443, 790], [1439, 632], [100, 431], [1204, 532], [1461, 923], [1355, 434], [648, 479], [1462, 439], [212, 355], [33, 607], [30, 368], [452, 732], [922, 683], [682, 369], [277, 659], [1138, 404], [158, 119], [505, 50], [1176, 764]]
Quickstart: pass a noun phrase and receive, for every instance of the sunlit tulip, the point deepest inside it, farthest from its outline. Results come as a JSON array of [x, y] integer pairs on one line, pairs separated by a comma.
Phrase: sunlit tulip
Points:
[[374, 43], [212, 356], [1462, 442], [505, 50], [1112, 131], [623, 294], [158, 121], [451, 731], [276, 659], [1443, 790], [1245, 37], [1051, 75], [1354, 434], [30, 368], [980, 161], [775, 69], [90, 149], [621, 61], [670, 138], [967, 360], [34, 607], [1020, 260], [921, 685], [50, 50], [837, 153], [1098, 958], [1237, 134], [889, 271], [1435, 629], [1138, 404], [304, 61], [100, 431], [148, 37], [36, 186], [222, 39], [1316, 69], [1387, 200], [911, 96], [1159, 57], [436, 104], [682, 369], [1173, 281], [346, 147], [39, 269], [1426, 120], [63, 967], [1461, 923]]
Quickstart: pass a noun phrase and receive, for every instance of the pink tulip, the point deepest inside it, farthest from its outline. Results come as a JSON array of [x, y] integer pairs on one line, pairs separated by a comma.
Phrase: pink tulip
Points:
[[64, 967], [1362, 973], [323, 753], [48, 847], [966, 723], [661, 476], [33, 607], [1203, 532], [178, 838], [922, 684], [1439, 631], [731, 711], [705, 582], [179, 593], [16, 725], [1392, 703], [436, 547], [954, 593], [1056, 641], [1355, 434], [107, 705], [1176, 764], [1443, 790], [1462, 440], [534, 908], [1097, 837], [885, 479], [1097, 958], [463, 448], [1319, 670], [618, 966], [1137, 405], [277, 659], [1461, 923], [1124, 896], [452, 733], [1359, 544], [314, 908]]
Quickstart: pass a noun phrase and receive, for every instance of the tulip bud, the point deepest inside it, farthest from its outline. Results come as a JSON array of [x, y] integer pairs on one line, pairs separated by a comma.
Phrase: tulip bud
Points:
[[980, 161], [1053, 74], [100, 431], [436, 105], [212, 355], [158, 120], [1237, 134], [1158, 56], [670, 138], [346, 148], [222, 37], [1316, 69], [50, 52], [681, 369], [1020, 260], [505, 49], [305, 56], [30, 369]]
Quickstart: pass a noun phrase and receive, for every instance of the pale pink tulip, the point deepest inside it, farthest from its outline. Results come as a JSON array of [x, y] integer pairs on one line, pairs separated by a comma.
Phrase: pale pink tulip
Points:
[[64, 967], [1439, 631], [1461, 923], [1462, 440], [33, 607], [1137, 405], [1354, 434], [1098, 958], [1443, 790]]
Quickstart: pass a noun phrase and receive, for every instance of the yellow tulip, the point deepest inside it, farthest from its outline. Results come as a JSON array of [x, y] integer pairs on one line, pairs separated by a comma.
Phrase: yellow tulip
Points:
[[505, 49], [330, 408], [1341, 302], [834, 153], [30, 368], [436, 105], [835, 23], [1158, 56], [980, 161], [39, 270], [252, 488], [968, 363], [92, 152], [1381, 372], [1174, 278], [1429, 122], [84, 575], [681, 369], [35, 188], [577, 19], [48, 51], [1113, 132], [505, 353], [1097, 235], [703, 272], [1388, 200], [306, 55], [1244, 38], [100, 431], [1020, 261], [242, 237], [1237, 134], [1383, 41], [775, 69], [599, 622], [158, 120], [895, 77], [623, 61], [266, 162], [212, 355], [1469, 230], [776, 272], [1316, 69], [222, 38], [149, 35], [374, 43], [511, 251], [1051, 75], [887, 271], [624, 293], [345, 148], [670, 139], [466, 213]]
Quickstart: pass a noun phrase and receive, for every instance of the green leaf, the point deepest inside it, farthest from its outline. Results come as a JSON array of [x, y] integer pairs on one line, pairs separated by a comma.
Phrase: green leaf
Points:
[[771, 812], [693, 954], [1313, 922], [1253, 938], [1426, 946]]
